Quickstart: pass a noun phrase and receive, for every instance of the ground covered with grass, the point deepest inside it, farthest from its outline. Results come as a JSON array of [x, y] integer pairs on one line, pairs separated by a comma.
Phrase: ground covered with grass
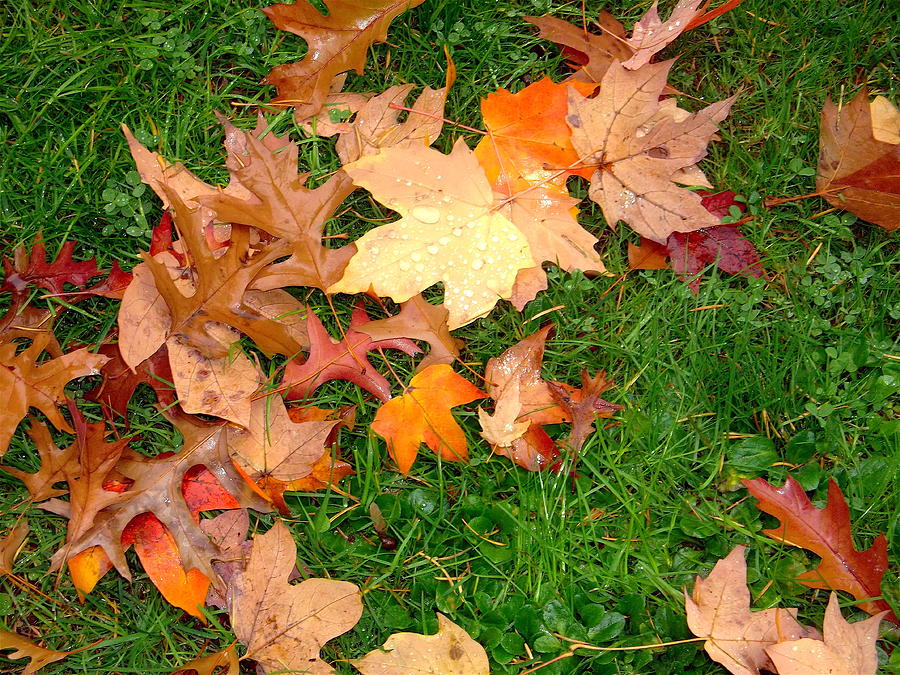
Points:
[[748, 379]]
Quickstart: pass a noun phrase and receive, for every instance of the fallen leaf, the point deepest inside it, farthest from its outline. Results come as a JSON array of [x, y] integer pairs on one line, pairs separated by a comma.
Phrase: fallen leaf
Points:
[[638, 146], [284, 626], [650, 34], [27, 383], [724, 245], [718, 609], [517, 372], [591, 54], [211, 663], [157, 487], [221, 385], [422, 415], [584, 405], [344, 359], [846, 649], [420, 320], [502, 428], [32, 269], [10, 546], [377, 124], [533, 451], [450, 651], [858, 171], [26, 649], [53, 461], [274, 445], [336, 43], [449, 231], [827, 533]]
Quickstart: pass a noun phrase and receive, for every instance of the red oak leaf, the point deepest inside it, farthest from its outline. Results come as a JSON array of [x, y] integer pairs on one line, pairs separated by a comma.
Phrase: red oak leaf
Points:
[[826, 532], [343, 359]]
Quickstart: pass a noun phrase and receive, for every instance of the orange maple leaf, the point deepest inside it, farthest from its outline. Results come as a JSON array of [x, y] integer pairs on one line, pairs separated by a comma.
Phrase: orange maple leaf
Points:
[[422, 415]]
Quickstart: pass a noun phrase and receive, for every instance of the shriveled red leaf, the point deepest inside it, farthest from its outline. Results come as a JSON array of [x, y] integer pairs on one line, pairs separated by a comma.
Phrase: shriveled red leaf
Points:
[[422, 415], [584, 405], [32, 269], [723, 245], [344, 359], [827, 533], [337, 42]]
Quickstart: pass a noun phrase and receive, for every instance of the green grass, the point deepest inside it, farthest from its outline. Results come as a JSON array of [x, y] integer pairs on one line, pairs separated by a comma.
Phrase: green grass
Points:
[[801, 367]]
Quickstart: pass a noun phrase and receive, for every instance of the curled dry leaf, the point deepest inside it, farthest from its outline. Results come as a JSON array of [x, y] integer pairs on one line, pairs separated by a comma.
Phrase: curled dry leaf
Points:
[[422, 415], [212, 664], [501, 428], [827, 533], [584, 405], [10, 546], [449, 231], [336, 43], [718, 609], [26, 649], [284, 626], [640, 148], [27, 383], [450, 651], [859, 159], [846, 649]]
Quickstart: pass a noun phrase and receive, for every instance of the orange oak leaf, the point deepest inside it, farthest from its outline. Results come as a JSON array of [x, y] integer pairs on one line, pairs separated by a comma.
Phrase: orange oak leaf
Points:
[[420, 320], [718, 609], [26, 649], [284, 626], [450, 651], [827, 533], [27, 383], [449, 231], [343, 359], [422, 415], [640, 147], [590, 53], [859, 164], [337, 42], [845, 648]]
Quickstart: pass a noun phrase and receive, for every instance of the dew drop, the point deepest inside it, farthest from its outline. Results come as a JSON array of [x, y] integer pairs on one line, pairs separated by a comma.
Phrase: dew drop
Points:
[[433, 249], [443, 241], [420, 267], [457, 231], [472, 224], [477, 264], [481, 245], [427, 214], [416, 256], [404, 265], [468, 292], [511, 236], [408, 183]]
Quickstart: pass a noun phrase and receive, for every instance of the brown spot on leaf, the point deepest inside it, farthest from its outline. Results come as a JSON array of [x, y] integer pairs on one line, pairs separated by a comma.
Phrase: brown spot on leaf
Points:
[[573, 120]]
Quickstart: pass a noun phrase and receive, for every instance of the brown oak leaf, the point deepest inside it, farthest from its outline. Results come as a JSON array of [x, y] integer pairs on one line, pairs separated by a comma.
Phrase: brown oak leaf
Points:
[[337, 42], [650, 34], [11, 544], [584, 405], [27, 383], [26, 649], [284, 626], [420, 320]]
